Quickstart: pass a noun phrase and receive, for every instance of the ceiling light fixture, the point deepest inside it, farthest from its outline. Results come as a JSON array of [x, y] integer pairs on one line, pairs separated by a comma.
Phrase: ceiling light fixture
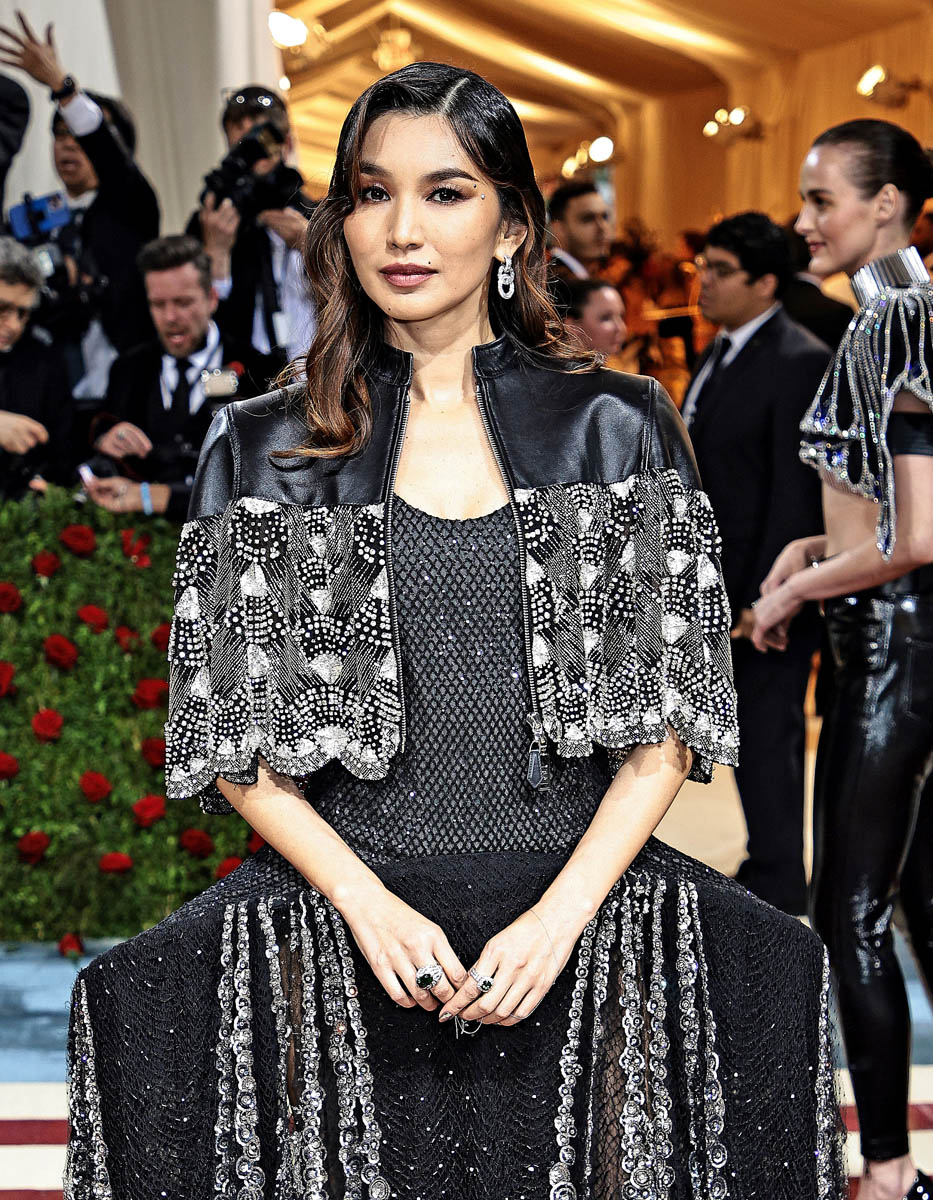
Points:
[[287, 32], [727, 125], [396, 49], [877, 85], [569, 167], [602, 149]]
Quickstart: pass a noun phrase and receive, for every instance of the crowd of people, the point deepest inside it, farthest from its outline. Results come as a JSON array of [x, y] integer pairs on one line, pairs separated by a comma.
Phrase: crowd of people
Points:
[[119, 346]]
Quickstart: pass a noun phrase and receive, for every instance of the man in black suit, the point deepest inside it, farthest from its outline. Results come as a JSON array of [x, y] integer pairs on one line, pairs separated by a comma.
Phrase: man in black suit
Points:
[[163, 394], [743, 408], [114, 211], [805, 302], [35, 400]]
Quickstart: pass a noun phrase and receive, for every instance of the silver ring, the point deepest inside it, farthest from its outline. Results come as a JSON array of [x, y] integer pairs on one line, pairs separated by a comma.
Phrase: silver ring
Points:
[[121, 436], [483, 982], [429, 976]]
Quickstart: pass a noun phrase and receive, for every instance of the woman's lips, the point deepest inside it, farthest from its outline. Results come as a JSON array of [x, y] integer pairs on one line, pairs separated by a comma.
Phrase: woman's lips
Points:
[[407, 276]]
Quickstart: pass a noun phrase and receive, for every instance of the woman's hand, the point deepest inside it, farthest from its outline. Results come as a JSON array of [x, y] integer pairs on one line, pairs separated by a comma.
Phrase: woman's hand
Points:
[[396, 941], [796, 556], [523, 959], [773, 615]]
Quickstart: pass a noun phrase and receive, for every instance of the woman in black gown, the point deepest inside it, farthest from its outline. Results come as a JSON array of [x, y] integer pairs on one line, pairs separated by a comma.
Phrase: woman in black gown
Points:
[[450, 633], [869, 432]]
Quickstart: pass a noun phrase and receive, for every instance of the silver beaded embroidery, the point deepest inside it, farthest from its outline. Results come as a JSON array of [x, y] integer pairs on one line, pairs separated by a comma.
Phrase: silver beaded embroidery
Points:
[[223, 1127], [829, 1159], [86, 1173], [283, 1036], [246, 1108], [311, 1154], [714, 1106], [282, 643], [885, 351]]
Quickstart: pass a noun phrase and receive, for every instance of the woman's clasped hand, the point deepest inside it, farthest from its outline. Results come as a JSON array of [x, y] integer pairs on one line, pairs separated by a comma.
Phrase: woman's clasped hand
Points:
[[522, 960]]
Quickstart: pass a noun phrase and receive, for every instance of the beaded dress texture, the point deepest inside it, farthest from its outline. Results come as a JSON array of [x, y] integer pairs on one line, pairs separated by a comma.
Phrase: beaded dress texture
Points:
[[242, 1048]]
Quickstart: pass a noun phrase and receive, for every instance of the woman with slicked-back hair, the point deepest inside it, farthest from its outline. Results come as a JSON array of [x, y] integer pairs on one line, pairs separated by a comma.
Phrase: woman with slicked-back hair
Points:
[[869, 432], [450, 633]]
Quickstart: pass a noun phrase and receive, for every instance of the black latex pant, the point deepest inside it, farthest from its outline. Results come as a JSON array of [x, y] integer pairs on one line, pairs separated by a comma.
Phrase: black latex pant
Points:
[[873, 838]]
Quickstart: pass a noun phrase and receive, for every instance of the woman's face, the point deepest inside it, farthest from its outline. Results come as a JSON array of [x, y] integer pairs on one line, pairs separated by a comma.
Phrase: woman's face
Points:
[[840, 225], [602, 320], [426, 224]]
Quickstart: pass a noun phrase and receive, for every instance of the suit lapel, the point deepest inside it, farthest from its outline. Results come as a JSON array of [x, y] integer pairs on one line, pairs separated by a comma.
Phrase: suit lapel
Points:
[[731, 377]]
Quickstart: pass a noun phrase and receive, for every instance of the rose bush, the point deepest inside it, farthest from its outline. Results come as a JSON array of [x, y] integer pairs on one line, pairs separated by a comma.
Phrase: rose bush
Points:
[[81, 748]]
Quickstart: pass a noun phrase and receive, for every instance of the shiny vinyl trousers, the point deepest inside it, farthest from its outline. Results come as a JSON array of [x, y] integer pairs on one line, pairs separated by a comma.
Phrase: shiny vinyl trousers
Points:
[[873, 837]]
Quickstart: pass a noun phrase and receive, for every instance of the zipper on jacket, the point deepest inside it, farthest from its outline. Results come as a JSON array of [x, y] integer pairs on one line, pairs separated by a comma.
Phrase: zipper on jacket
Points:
[[390, 564], [538, 773]]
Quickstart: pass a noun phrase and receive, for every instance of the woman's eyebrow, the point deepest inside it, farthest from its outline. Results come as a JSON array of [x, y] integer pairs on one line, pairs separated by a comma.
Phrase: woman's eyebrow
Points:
[[439, 176]]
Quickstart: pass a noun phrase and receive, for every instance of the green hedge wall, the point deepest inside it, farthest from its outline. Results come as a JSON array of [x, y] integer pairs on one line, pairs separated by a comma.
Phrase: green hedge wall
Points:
[[73, 860]]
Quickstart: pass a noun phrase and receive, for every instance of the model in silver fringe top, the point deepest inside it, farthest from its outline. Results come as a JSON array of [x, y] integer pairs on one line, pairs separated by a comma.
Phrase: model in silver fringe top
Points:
[[453, 660], [869, 432]]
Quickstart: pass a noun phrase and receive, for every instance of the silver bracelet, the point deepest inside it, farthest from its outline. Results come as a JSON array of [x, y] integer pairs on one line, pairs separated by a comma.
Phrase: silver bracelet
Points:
[[548, 936]]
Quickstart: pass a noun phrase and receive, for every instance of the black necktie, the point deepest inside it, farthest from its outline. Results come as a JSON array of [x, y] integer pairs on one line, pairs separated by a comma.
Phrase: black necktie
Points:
[[720, 350], [182, 393], [268, 290]]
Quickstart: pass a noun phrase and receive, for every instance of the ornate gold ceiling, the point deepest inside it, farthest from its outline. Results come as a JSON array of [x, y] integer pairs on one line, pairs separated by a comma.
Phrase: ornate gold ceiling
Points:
[[574, 69]]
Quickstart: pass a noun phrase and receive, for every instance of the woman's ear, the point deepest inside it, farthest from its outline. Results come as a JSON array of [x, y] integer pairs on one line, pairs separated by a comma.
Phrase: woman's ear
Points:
[[511, 238], [889, 204]]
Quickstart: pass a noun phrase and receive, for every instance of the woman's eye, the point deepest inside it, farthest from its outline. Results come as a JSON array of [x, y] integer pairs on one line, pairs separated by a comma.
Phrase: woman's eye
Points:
[[446, 195], [373, 192]]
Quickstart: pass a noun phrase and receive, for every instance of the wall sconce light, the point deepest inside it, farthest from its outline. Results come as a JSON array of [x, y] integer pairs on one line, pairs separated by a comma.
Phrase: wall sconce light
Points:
[[600, 150], [877, 85], [729, 124], [287, 32]]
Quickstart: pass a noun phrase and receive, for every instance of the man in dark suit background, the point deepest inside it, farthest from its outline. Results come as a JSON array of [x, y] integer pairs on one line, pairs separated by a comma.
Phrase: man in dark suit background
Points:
[[743, 408], [805, 301], [162, 395]]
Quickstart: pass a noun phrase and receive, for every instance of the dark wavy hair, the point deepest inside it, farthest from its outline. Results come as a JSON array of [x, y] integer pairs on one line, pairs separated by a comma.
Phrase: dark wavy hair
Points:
[[758, 243], [350, 327], [884, 153]]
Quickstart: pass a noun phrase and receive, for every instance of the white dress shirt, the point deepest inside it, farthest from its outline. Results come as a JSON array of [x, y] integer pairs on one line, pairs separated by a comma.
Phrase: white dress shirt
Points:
[[572, 264], [207, 358]]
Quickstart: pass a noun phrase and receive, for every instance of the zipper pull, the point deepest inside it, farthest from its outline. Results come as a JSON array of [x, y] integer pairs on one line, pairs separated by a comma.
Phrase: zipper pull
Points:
[[538, 773]]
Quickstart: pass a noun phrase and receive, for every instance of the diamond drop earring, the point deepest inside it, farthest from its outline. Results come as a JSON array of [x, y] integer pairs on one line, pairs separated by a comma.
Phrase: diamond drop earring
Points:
[[506, 278]]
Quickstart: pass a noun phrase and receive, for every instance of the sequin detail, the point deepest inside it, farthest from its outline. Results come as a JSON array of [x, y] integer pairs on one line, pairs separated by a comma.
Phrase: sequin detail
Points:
[[630, 617], [86, 1173], [886, 350]]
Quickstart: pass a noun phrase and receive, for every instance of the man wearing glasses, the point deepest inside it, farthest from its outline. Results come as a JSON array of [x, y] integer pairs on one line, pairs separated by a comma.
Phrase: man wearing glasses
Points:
[[743, 408]]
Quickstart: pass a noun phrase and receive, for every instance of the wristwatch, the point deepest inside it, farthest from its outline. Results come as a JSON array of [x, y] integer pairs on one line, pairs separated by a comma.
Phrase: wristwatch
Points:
[[68, 89]]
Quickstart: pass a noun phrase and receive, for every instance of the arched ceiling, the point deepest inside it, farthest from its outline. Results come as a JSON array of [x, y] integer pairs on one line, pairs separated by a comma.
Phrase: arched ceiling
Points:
[[573, 69]]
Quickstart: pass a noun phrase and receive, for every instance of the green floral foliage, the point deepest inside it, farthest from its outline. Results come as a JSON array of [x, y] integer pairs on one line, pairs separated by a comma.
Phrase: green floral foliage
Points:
[[45, 894]]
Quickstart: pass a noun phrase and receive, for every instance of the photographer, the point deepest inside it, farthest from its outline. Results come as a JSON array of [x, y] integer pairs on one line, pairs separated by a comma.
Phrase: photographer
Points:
[[35, 404], [252, 223], [163, 395], [114, 212]]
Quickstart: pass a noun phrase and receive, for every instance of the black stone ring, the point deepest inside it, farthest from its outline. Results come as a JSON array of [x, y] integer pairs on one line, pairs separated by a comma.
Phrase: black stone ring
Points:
[[429, 976], [483, 982]]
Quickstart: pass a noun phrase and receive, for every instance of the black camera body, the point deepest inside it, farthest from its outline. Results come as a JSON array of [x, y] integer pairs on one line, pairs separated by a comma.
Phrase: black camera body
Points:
[[234, 179]]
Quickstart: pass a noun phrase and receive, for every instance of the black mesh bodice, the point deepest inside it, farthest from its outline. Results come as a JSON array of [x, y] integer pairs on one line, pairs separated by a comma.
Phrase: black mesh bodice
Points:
[[459, 786]]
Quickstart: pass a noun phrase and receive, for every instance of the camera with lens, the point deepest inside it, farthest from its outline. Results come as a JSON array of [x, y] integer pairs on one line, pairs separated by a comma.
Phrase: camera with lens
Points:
[[69, 298], [234, 178]]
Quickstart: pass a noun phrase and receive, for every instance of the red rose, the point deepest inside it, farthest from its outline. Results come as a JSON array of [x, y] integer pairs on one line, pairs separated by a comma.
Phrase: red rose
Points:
[[148, 810], [32, 846], [60, 652], [93, 616], [10, 599], [228, 865], [160, 635], [96, 787], [255, 843], [127, 638], [70, 946], [79, 539], [153, 751], [47, 724], [197, 843], [7, 671], [134, 547], [9, 766], [116, 862], [150, 693], [45, 563]]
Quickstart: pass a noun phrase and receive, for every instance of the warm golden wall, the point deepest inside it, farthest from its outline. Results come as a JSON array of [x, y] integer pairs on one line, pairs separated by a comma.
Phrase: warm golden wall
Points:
[[687, 179]]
